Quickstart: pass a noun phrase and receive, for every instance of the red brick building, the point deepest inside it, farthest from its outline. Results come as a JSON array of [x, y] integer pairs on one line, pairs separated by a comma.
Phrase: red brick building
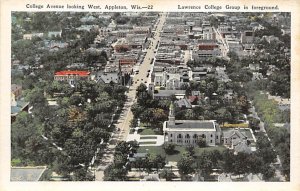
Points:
[[71, 76]]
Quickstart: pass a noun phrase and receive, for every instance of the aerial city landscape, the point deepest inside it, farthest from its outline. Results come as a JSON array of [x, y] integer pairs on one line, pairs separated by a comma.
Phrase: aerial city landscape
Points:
[[150, 96]]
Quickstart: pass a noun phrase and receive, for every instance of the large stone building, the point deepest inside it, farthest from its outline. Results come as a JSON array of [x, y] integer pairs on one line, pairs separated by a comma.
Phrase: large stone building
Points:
[[71, 76], [188, 132]]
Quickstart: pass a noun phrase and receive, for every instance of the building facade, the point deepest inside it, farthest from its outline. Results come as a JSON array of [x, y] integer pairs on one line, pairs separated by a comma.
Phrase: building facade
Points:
[[189, 132], [71, 76]]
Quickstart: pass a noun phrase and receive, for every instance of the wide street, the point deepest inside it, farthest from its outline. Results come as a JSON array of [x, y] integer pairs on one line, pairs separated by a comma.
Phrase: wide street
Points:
[[223, 46], [126, 115]]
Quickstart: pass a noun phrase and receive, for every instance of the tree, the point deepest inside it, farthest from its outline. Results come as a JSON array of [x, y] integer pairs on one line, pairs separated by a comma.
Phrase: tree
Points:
[[201, 142], [185, 165], [141, 89], [190, 115], [159, 116], [169, 148], [167, 174], [215, 156], [204, 163], [255, 163], [241, 165], [233, 56], [254, 123], [112, 173], [22, 130], [227, 164], [268, 172], [134, 145], [82, 174], [123, 147], [190, 149], [265, 150]]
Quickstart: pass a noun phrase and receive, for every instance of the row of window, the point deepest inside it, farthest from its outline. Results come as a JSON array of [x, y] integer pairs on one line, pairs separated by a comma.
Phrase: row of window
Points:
[[195, 136], [188, 136], [187, 141]]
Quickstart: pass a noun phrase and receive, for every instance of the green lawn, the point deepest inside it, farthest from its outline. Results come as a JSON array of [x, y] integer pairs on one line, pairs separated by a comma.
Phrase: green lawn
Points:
[[152, 150], [179, 150], [199, 151], [148, 131]]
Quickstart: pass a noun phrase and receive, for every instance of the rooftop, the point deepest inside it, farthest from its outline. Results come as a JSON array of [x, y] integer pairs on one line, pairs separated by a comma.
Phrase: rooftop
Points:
[[68, 72], [26, 173], [192, 125]]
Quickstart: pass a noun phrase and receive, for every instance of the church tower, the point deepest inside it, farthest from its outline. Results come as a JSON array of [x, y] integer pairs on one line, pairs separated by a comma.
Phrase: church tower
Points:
[[171, 115]]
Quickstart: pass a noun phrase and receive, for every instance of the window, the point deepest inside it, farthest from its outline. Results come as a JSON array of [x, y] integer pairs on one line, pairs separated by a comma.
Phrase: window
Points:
[[210, 141], [211, 135], [217, 136], [179, 136], [187, 136], [195, 136], [171, 140], [171, 135]]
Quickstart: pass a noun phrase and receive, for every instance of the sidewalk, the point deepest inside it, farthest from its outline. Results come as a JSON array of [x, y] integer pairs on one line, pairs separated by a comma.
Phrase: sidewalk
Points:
[[159, 140]]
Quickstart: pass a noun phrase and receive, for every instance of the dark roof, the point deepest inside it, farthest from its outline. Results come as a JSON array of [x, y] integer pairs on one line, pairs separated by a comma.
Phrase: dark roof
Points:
[[194, 124]]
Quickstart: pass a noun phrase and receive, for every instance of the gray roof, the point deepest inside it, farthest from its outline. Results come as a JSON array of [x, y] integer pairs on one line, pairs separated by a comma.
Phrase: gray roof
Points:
[[15, 87], [26, 173], [242, 147], [20, 106], [108, 77], [184, 103], [167, 93], [230, 133], [194, 124]]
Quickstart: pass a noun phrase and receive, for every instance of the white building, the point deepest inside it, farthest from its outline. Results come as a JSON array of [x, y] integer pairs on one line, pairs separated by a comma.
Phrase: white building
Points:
[[186, 132]]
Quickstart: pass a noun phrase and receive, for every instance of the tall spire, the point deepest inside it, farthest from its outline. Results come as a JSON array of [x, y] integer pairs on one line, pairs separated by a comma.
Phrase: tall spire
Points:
[[171, 114]]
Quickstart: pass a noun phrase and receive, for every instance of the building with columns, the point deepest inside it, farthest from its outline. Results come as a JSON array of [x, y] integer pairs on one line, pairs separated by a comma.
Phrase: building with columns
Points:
[[188, 132]]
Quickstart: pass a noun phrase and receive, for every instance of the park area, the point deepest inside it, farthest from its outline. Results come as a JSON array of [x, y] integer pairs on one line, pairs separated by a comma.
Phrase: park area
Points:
[[179, 150]]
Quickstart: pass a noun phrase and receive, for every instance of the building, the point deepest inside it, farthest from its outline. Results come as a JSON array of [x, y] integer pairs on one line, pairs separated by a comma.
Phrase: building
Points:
[[205, 49], [27, 173], [188, 132], [56, 34], [238, 139], [109, 77], [167, 94], [247, 37], [18, 104], [30, 36], [16, 90], [71, 76]]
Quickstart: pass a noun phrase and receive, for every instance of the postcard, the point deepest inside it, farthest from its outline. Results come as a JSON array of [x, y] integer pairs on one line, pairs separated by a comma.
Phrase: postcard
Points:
[[149, 95]]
